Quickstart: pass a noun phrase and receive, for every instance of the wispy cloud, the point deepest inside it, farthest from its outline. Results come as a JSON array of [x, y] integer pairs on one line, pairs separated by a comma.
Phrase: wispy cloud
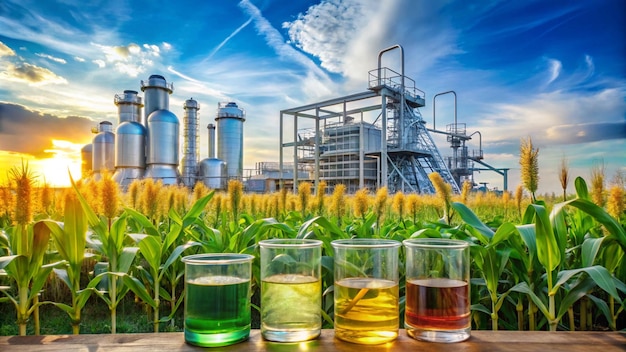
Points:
[[285, 51], [227, 39], [52, 58], [555, 70]]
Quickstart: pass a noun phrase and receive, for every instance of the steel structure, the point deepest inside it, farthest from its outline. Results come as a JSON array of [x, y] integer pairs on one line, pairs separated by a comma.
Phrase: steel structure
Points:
[[372, 139]]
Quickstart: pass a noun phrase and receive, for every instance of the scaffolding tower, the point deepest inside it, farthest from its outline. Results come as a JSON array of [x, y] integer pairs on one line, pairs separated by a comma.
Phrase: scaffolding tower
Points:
[[372, 139]]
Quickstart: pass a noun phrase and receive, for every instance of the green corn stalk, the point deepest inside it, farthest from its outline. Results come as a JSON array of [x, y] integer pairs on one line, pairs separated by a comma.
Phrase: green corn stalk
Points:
[[70, 240], [109, 239], [24, 264], [160, 254], [549, 234], [491, 259]]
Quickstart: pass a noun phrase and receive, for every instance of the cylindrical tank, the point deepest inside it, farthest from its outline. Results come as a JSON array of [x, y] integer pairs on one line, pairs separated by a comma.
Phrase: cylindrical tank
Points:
[[212, 172], [189, 164], [156, 94], [128, 106], [230, 120], [130, 146], [211, 128], [86, 156], [162, 157], [103, 149]]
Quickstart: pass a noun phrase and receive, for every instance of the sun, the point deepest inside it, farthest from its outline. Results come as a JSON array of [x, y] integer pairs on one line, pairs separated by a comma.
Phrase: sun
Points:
[[55, 171]]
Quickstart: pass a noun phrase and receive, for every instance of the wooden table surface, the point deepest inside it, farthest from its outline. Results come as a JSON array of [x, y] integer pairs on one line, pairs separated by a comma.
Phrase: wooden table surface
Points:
[[482, 340]]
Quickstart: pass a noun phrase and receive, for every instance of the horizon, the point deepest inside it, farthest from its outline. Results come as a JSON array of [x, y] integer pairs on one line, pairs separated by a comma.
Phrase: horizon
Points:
[[554, 71]]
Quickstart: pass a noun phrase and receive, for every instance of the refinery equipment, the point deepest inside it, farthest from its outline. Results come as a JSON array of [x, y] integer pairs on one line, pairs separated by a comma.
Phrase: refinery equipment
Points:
[[130, 141], [163, 132], [212, 171], [230, 119], [103, 145], [372, 139], [86, 156], [147, 145], [189, 164]]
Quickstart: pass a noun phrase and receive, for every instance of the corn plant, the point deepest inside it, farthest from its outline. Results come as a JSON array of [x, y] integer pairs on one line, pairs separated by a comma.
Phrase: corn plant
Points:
[[109, 238], [549, 233], [70, 240], [24, 264], [160, 253], [491, 257]]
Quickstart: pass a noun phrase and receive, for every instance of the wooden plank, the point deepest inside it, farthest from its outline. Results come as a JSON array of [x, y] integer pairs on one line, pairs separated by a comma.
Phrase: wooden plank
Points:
[[482, 340]]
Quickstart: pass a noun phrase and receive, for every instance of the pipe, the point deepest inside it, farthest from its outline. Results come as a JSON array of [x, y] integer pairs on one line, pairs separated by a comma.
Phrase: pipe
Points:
[[435, 96]]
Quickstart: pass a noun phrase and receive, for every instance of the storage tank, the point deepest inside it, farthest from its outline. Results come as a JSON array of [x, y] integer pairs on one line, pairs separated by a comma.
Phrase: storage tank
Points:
[[103, 150], [162, 154], [230, 119], [86, 156], [189, 163], [212, 172], [130, 159], [128, 106], [162, 129], [130, 139], [156, 95]]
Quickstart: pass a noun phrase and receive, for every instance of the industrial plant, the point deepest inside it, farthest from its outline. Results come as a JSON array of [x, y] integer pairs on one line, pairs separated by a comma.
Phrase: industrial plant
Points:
[[373, 139]]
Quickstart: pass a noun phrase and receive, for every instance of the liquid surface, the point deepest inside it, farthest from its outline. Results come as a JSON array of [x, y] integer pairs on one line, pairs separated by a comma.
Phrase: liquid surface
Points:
[[217, 310], [366, 310], [291, 307], [437, 304]]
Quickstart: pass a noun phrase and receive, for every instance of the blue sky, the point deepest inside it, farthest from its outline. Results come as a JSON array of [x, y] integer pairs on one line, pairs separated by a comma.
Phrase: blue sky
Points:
[[551, 70]]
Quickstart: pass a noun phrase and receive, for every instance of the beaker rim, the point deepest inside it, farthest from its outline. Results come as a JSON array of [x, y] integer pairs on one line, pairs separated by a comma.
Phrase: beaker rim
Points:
[[217, 258], [290, 242], [365, 243], [435, 243]]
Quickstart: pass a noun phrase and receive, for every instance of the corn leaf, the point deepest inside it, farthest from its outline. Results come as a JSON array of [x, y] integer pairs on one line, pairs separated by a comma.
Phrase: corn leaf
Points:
[[590, 249], [471, 219], [196, 209], [548, 252], [581, 188], [598, 274], [574, 294], [150, 248], [523, 287]]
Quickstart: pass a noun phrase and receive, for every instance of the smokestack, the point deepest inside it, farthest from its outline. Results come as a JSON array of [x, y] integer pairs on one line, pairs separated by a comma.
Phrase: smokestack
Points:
[[190, 149], [211, 128]]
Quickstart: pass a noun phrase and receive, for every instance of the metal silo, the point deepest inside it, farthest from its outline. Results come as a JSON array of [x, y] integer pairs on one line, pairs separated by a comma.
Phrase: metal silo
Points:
[[86, 155], [230, 120], [162, 157], [189, 164], [156, 95], [103, 150], [162, 131], [128, 106], [211, 172], [130, 140]]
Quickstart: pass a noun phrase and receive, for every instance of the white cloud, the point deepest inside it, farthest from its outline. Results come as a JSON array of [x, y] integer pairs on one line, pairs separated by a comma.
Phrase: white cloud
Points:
[[79, 59], [52, 58], [100, 63], [555, 67], [31, 74], [5, 50]]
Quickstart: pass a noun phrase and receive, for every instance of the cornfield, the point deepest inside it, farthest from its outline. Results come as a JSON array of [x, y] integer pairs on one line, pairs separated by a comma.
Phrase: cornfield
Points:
[[537, 264]]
